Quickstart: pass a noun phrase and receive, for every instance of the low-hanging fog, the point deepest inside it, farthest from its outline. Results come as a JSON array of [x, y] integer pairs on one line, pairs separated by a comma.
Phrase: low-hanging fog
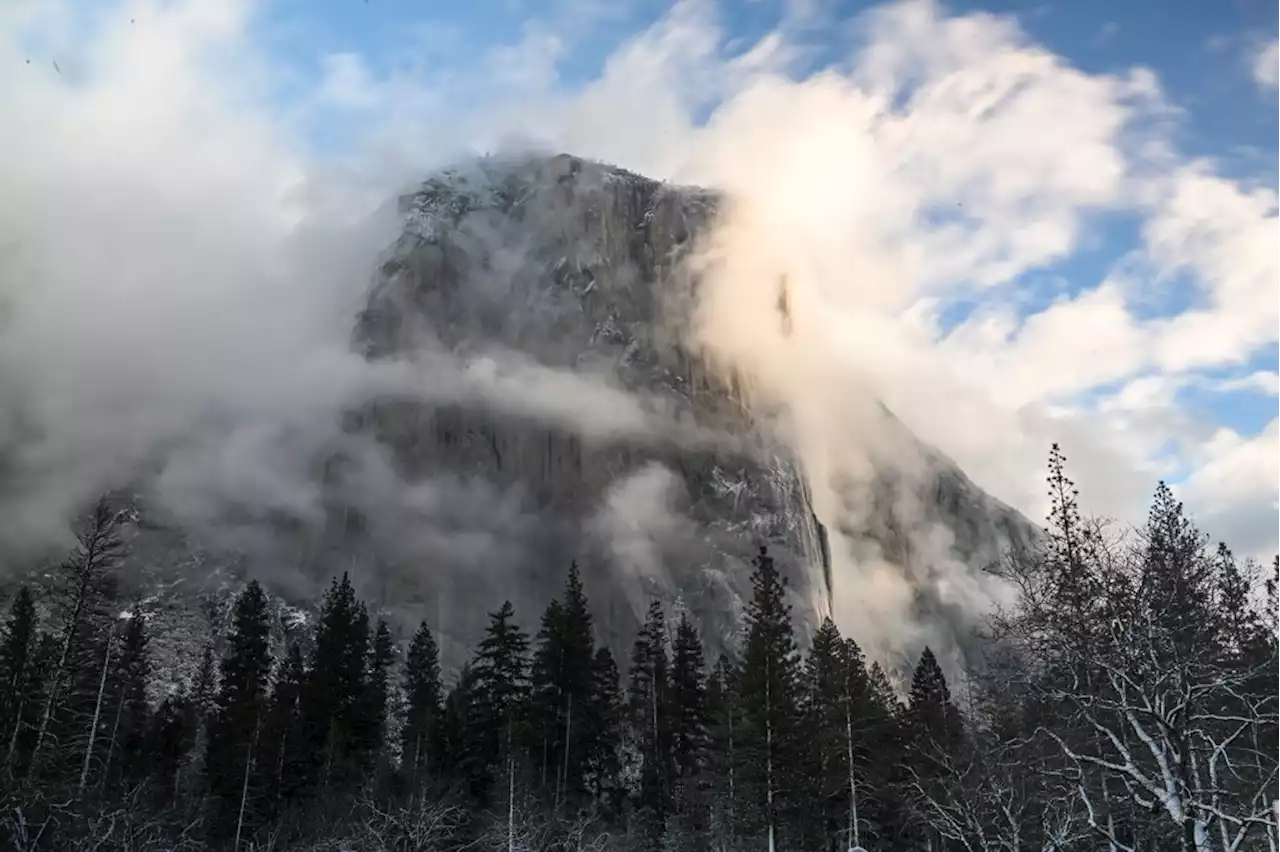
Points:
[[182, 264]]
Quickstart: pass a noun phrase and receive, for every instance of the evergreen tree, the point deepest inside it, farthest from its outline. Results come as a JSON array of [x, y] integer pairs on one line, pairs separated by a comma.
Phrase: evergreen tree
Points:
[[235, 723], [688, 700], [1177, 580], [335, 697], [689, 738], [284, 760], [84, 590], [198, 705], [880, 806], [932, 720], [497, 696], [603, 734], [1238, 623], [166, 741], [204, 686], [649, 706], [725, 757], [933, 733], [126, 750], [545, 703], [19, 678], [422, 739], [457, 760], [767, 693], [561, 692], [378, 691], [839, 720]]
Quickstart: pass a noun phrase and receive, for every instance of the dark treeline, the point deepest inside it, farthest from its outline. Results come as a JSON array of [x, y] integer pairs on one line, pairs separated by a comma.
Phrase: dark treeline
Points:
[[1127, 702]]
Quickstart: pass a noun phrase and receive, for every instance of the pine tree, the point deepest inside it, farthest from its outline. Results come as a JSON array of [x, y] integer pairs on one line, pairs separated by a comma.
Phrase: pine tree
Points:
[[561, 682], [18, 679], [378, 691], [284, 760], [1177, 582], [545, 704], [649, 708], [767, 693], [167, 739], [689, 737], [725, 757], [126, 749], [497, 698], [204, 686], [880, 804], [1238, 623], [688, 700], [838, 716], [932, 720], [421, 736], [1071, 561], [334, 700], [238, 709], [84, 589], [198, 705], [457, 759], [604, 723]]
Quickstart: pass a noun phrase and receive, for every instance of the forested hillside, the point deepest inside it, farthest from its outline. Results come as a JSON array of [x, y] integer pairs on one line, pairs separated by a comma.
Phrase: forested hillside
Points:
[[1126, 701]]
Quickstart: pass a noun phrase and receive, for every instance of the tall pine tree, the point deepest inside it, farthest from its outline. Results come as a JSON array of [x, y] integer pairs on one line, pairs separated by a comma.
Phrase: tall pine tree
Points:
[[604, 733], [838, 717], [561, 692], [689, 738], [497, 700], [19, 678], [422, 739], [649, 705], [688, 700], [235, 723], [126, 758], [335, 703], [767, 694], [284, 759]]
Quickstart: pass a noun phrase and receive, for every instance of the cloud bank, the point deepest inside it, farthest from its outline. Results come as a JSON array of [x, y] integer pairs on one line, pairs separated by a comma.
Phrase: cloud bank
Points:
[[181, 265]]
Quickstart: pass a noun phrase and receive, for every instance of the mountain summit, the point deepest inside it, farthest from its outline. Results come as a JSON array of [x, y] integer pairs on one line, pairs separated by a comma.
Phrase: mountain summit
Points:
[[649, 469], [543, 404]]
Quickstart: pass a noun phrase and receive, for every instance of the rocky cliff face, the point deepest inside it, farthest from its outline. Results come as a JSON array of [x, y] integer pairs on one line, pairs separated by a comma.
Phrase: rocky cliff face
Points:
[[574, 426], [577, 266]]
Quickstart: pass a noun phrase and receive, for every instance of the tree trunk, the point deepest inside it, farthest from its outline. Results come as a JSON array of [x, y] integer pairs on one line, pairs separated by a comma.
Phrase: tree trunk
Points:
[[568, 728], [853, 784], [768, 754], [97, 712], [244, 784]]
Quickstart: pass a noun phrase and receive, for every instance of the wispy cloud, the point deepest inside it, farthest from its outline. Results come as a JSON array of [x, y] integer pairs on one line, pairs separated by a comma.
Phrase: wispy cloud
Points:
[[182, 266], [1265, 65], [1261, 381]]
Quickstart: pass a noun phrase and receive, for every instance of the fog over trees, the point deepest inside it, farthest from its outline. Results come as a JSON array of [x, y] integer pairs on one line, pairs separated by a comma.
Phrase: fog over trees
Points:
[[1126, 701]]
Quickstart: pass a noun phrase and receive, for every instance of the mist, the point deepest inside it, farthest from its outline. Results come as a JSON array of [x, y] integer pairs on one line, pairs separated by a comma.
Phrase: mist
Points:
[[181, 273]]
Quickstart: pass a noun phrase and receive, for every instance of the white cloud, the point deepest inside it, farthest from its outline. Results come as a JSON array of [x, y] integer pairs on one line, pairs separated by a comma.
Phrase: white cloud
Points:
[[1234, 487], [154, 193], [1265, 65], [1260, 380]]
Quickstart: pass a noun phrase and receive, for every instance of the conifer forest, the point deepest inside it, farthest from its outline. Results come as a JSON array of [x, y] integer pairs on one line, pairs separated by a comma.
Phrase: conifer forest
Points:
[[1125, 702]]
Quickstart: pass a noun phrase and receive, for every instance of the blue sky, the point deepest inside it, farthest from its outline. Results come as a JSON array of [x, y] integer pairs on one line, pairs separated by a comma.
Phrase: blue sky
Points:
[[1032, 222], [1196, 48], [1200, 53]]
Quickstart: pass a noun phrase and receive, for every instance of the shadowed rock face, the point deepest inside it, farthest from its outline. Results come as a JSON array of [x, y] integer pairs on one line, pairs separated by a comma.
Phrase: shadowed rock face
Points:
[[563, 278], [578, 265]]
